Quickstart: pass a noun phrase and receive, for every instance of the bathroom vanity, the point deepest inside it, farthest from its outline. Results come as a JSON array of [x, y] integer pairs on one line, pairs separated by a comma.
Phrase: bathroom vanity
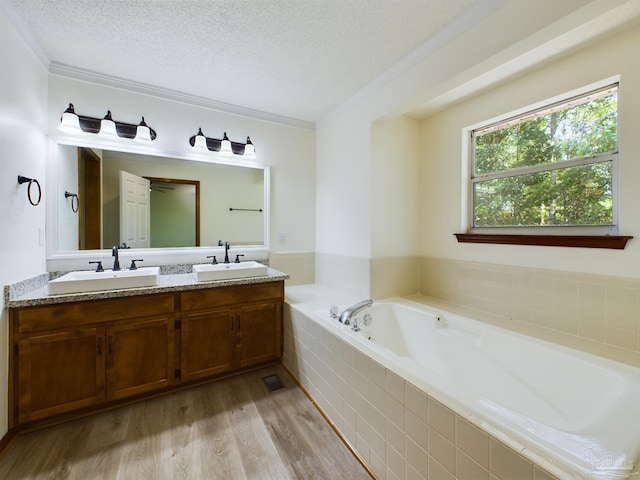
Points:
[[77, 354]]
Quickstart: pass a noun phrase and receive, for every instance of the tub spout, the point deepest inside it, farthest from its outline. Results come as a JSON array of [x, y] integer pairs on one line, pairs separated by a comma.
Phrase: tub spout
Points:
[[345, 317]]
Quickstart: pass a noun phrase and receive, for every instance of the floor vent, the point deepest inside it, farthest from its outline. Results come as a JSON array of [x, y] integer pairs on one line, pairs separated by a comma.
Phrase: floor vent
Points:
[[273, 382]]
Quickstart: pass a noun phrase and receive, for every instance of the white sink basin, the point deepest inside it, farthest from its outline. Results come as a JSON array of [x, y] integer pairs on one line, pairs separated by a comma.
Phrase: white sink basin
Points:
[[227, 271], [91, 281]]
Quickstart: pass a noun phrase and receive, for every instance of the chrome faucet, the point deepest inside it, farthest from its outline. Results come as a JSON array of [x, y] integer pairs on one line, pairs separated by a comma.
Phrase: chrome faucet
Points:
[[116, 261], [226, 252], [345, 317]]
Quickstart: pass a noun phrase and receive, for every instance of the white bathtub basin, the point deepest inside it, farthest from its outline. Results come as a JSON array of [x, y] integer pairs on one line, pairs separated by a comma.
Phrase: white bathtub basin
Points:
[[577, 410], [91, 281], [228, 271]]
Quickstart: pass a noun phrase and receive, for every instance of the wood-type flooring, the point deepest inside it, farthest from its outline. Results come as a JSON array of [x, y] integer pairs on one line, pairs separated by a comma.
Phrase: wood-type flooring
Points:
[[232, 429]]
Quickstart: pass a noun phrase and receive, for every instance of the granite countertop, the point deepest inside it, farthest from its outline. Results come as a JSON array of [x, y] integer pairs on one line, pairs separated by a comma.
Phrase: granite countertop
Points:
[[34, 292]]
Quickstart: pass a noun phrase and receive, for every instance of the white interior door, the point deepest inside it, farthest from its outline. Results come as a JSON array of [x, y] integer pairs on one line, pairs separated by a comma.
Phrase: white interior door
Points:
[[135, 210]]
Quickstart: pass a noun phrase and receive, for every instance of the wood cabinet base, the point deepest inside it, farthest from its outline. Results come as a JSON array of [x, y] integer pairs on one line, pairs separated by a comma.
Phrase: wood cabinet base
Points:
[[79, 358]]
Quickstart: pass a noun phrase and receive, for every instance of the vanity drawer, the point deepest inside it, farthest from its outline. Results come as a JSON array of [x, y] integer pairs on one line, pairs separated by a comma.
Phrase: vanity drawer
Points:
[[49, 317], [222, 296]]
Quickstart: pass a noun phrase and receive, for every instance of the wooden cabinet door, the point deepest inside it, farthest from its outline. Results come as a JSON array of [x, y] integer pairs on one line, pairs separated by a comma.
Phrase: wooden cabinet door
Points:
[[207, 344], [60, 372], [139, 357], [259, 332]]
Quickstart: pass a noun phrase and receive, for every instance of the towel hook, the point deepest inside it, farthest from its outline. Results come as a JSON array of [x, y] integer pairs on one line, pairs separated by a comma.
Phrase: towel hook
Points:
[[31, 181], [73, 196]]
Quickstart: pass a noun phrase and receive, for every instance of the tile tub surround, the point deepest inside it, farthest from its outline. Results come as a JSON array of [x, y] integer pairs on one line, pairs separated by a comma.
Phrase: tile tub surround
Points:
[[397, 429], [594, 313], [299, 265]]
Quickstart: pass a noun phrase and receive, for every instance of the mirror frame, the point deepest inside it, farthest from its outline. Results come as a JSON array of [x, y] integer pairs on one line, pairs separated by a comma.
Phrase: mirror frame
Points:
[[62, 260]]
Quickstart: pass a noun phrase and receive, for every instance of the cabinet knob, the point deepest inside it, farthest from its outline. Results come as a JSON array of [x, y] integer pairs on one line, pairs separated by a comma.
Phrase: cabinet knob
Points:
[[99, 345]]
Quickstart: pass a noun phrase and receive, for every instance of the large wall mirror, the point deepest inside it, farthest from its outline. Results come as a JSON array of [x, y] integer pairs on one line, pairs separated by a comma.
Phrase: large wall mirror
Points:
[[148, 201]]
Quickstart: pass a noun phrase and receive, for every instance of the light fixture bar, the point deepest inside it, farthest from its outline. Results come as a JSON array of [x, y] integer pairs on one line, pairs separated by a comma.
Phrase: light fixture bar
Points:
[[93, 124], [224, 146]]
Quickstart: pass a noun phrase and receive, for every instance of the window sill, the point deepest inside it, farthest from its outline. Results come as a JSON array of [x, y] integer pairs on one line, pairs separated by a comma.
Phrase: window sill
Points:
[[584, 241]]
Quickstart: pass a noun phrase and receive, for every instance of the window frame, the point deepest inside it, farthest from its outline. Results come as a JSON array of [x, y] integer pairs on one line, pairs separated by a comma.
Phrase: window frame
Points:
[[598, 236]]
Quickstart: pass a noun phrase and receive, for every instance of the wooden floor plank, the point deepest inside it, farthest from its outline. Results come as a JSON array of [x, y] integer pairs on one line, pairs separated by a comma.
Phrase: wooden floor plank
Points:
[[233, 429]]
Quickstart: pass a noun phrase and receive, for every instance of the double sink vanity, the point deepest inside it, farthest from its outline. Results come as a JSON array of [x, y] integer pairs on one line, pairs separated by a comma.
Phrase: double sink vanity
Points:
[[88, 340]]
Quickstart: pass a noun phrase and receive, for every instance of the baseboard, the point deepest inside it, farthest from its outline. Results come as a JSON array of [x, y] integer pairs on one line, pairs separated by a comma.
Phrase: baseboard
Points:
[[6, 441]]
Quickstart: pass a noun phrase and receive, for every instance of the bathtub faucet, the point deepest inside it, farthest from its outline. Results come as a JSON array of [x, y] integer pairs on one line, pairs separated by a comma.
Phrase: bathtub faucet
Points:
[[345, 317]]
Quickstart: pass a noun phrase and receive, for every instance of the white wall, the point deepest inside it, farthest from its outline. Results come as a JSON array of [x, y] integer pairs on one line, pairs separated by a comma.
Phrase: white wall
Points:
[[23, 102], [480, 51], [290, 151], [442, 182], [67, 181], [394, 187]]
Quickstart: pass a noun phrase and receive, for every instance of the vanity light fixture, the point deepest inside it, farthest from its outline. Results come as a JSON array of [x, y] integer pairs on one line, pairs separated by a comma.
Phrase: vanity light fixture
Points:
[[143, 133], [70, 122], [223, 146], [200, 141], [249, 150], [107, 127]]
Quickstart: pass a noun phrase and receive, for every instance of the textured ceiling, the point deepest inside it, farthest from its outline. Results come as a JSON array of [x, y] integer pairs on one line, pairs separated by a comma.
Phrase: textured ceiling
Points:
[[294, 58]]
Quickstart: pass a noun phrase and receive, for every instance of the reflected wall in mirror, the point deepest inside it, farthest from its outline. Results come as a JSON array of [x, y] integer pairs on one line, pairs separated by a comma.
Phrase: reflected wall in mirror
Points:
[[190, 203]]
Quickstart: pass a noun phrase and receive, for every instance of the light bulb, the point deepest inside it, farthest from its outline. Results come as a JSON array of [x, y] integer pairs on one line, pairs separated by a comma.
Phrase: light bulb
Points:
[[200, 141], [143, 133], [108, 127], [225, 145], [70, 122], [249, 149]]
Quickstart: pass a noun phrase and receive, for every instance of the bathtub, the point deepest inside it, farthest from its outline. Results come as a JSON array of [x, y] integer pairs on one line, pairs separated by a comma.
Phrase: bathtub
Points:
[[579, 411]]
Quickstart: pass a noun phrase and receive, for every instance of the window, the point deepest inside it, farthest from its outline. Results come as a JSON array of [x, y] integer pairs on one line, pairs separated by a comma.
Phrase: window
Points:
[[548, 171]]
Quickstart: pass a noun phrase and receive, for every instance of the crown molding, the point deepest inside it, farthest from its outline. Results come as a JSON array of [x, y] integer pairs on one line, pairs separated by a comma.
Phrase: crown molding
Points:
[[76, 73]]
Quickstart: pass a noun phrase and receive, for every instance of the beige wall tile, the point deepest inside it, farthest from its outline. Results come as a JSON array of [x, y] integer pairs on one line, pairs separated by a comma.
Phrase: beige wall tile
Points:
[[378, 421], [413, 474], [565, 306], [442, 450], [415, 400], [591, 303], [473, 441], [377, 373], [467, 469], [437, 471], [395, 463], [417, 457], [621, 337], [378, 397], [300, 266], [622, 307], [395, 436], [377, 445], [415, 428], [394, 276], [394, 410], [602, 309], [508, 465], [395, 386], [442, 419]]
